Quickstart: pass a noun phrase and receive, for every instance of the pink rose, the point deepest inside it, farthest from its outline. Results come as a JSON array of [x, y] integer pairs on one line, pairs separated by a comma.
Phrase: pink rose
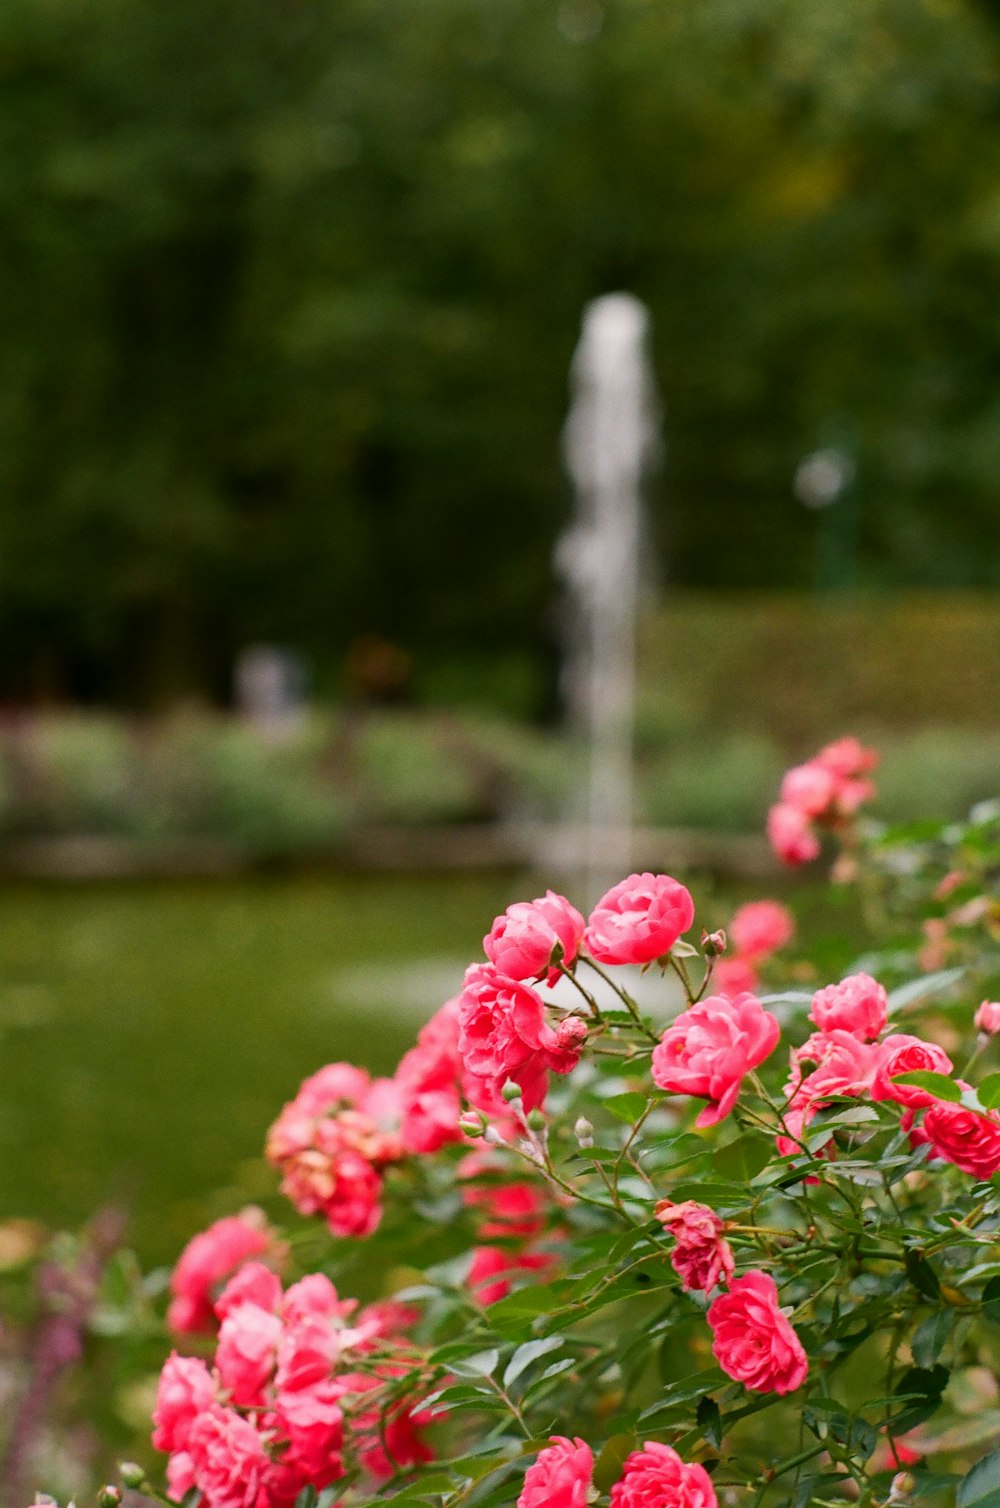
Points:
[[753, 1341], [858, 1004], [639, 919], [521, 941], [312, 1421], [810, 788], [559, 1477], [503, 1035], [228, 1459], [314, 1295], [988, 1017], [844, 1065], [709, 1048], [428, 1077], [185, 1390], [847, 758], [656, 1477], [791, 836], [246, 1353], [760, 928], [493, 1269], [734, 976], [905, 1054], [962, 1137], [253, 1284], [702, 1258], [207, 1261]]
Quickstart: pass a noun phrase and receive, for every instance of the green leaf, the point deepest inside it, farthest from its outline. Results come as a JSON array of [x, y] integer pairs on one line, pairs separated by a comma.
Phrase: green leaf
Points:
[[480, 1364], [980, 1487], [627, 1107], [608, 1466], [307, 1498], [989, 1091], [937, 1084], [743, 1158], [922, 1387], [526, 1354], [921, 1274], [991, 1300], [710, 1421], [920, 989], [930, 1336]]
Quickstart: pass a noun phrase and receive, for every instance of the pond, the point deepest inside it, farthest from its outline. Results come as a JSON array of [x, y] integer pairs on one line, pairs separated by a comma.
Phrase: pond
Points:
[[151, 1032]]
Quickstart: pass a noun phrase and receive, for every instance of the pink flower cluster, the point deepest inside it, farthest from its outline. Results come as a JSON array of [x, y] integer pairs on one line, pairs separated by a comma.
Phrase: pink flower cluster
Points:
[[209, 1260], [561, 1476], [702, 1257], [825, 791], [286, 1400], [757, 930], [710, 1048]]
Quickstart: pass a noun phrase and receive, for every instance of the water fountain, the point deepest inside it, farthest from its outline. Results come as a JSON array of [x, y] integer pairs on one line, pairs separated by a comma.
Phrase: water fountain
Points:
[[611, 442]]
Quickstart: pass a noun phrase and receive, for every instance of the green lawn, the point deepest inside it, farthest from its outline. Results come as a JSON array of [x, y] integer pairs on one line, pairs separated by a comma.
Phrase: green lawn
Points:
[[150, 1032]]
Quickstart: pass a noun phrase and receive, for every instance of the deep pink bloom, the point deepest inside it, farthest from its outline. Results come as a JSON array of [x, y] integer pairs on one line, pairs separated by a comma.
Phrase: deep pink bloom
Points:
[[902, 1053], [521, 941], [312, 1421], [493, 1269], [184, 1391], [791, 834], [708, 1049], [503, 1035], [656, 1477], [247, 1351], [843, 1065], [208, 1260], [429, 1076], [702, 1257], [962, 1137], [988, 1017], [858, 1004], [639, 919], [228, 1459], [752, 1340], [559, 1477], [760, 928]]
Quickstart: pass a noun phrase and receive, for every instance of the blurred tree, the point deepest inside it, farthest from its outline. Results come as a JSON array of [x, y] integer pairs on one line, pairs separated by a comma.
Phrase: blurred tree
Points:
[[290, 290]]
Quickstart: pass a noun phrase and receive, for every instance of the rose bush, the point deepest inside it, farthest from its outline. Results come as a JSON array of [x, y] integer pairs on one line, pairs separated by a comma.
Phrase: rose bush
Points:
[[664, 1248]]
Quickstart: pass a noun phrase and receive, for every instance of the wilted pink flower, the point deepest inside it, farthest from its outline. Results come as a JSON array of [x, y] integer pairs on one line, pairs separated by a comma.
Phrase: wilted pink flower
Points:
[[559, 1477], [753, 1341], [184, 1391], [702, 1257], [902, 1053], [521, 941], [791, 834], [858, 1004], [656, 1477], [761, 927], [709, 1049], [988, 1017], [639, 919], [503, 1035], [206, 1263], [963, 1137], [247, 1353], [228, 1459]]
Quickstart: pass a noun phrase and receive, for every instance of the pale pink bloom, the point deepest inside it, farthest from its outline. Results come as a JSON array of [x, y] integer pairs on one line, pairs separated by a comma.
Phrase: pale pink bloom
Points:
[[559, 1477], [847, 758], [184, 1391], [810, 788], [761, 927], [180, 1475], [312, 1421], [252, 1284], [752, 1340], [504, 1035], [656, 1477], [734, 976], [335, 1086], [702, 1257], [247, 1351], [228, 1457], [791, 835], [521, 942], [858, 1004], [709, 1049], [314, 1295], [988, 1017], [639, 919], [208, 1261], [308, 1354], [962, 1137], [903, 1053], [934, 952]]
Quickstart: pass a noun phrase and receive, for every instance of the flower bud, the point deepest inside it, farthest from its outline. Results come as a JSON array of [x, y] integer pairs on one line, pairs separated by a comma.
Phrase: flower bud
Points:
[[109, 1496], [536, 1120], [471, 1124], [584, 1132], [131, 1473], [510, 1092], [713, 943], [903, 1484]]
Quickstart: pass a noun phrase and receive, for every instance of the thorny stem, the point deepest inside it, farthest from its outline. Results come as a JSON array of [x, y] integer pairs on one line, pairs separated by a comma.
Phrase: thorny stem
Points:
[[624, 997]]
